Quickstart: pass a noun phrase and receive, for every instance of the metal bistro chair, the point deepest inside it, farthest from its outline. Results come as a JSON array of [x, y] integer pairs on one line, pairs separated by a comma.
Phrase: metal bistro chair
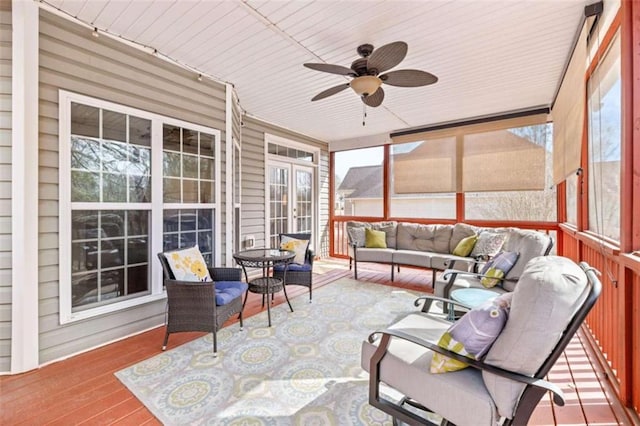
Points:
[[298, 274], [202, 306], [550, 302]]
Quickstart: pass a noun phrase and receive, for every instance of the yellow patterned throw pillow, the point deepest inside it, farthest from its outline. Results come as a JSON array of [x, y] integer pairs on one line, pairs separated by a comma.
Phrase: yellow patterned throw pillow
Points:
[[188, 265], [299, 247]]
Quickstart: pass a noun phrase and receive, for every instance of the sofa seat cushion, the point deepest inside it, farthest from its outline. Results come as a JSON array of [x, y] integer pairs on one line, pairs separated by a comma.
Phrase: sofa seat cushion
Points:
[[374, 255], [462, 281], [433, 238], [406, 368], [413, 258], [441, 263]]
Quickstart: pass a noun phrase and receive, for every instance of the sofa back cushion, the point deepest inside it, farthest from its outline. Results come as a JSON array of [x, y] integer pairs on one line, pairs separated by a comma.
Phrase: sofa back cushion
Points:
[[528, 244], [431, 238], [549, 292], [460, 232], [355, 232]]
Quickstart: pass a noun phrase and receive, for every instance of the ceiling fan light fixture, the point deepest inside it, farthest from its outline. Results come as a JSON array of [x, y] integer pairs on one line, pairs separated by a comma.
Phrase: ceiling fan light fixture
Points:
[[365, 85]]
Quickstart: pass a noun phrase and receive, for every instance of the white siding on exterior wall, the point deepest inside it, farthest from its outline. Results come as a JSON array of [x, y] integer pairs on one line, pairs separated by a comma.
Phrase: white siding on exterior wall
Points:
[[253, 185], [73, 60], [5, 187]]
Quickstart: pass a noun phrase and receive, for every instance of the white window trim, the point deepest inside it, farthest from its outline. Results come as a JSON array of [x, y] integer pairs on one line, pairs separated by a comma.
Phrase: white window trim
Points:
[[156, 207]]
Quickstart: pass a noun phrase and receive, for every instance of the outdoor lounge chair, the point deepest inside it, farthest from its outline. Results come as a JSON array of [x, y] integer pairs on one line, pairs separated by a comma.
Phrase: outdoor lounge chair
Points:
[[550, 302], [298, 273], [202, 306]]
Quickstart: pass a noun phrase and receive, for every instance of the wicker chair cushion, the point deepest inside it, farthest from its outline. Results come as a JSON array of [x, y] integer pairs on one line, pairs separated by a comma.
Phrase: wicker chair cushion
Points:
[[293, 267], [227, 291]]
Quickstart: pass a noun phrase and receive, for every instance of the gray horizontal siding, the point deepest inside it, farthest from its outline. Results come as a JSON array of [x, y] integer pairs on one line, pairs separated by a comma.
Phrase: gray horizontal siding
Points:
[[72, 60], [5, 187], [253, 185]]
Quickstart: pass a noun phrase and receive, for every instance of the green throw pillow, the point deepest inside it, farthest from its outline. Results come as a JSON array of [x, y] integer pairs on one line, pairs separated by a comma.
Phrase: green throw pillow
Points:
[[465, 246], [374, 239]]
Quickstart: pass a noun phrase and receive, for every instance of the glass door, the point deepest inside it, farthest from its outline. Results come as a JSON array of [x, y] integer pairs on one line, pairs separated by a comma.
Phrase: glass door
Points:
[[291, 202]]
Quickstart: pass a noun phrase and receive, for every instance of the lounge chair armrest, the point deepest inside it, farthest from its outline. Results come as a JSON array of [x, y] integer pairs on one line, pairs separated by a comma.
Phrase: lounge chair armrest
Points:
[[441, 299], [386, 335]]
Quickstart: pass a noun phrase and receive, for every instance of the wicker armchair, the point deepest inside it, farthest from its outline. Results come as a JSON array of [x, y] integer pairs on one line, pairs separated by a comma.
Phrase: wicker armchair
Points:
[[298, 274], [202, 306]]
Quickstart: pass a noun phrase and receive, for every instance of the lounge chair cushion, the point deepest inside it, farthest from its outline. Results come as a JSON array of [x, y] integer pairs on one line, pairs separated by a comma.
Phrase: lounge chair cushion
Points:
[[548, 294], [188, 264], [406, 368], [227, 291]]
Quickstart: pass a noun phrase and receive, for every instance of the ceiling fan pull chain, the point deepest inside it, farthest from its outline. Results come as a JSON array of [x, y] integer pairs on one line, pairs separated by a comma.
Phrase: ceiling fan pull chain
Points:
[[364, 113]]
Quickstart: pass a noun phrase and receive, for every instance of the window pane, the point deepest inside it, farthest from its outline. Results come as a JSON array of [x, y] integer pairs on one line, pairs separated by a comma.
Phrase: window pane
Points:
[[206, 168], [190, 166], [114, 188], [85, 120], [424, 179], [189, 141], [85, 187], [85, 154], [140, 189], [512, 205], [206, 144], [604, 145], [189, 191], [114, 126], [171, 190], [137, 279], [107, 255], [171, 164], [139, 131], [358, 182], [206, 192], [114, 157], [171, 137]]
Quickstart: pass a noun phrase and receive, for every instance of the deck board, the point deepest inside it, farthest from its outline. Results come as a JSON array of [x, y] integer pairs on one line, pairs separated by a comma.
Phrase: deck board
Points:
[[84, 390]]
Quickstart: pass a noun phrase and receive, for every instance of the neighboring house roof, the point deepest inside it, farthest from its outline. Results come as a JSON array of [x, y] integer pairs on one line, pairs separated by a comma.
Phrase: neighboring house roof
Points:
[[362, 182]]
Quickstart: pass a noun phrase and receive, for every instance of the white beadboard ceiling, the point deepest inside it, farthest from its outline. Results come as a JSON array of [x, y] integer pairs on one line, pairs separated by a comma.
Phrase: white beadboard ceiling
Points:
[[491, 56]]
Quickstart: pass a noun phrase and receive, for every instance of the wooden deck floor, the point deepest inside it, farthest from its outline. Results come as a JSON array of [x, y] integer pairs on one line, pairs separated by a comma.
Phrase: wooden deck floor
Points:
[[84, 390]]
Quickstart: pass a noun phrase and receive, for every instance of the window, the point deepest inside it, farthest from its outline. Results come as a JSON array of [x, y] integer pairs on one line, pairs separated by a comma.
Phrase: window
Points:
[[508, 175], [121, 171], [424, 179], [358, 182], [605, 139]]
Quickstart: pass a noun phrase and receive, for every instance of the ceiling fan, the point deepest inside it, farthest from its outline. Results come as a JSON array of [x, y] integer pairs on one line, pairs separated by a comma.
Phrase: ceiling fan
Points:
[[367, 73]]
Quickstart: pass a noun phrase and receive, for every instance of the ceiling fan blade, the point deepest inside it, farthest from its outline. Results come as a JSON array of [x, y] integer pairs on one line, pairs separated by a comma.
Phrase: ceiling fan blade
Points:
[[408, 78], [333, 69], [387, 56], [330, 91], [374, 100]]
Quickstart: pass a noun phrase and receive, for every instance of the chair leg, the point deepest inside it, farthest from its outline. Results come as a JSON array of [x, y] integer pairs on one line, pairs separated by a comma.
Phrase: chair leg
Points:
[[310, 293], [355, 269], [240, 318], [215, 343], [166, 339]]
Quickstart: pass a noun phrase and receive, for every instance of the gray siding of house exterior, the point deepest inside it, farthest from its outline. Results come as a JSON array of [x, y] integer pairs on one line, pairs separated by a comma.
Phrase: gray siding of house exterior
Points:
[[5, 185], [253, 184], [73, 60]]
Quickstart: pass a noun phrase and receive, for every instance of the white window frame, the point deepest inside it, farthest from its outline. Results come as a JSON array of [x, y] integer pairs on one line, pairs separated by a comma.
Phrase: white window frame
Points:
[[156, 207]]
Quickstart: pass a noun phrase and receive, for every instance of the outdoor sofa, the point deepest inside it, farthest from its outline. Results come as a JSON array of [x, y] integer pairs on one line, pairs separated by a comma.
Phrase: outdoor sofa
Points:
[[432, 246]]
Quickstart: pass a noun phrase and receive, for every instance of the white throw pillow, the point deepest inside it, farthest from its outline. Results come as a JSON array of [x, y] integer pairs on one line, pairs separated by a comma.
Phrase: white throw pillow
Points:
[[188, 264], [299, 247]]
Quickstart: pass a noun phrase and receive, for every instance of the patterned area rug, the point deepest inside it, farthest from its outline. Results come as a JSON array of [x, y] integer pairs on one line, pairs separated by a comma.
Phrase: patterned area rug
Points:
[[304, 370]]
